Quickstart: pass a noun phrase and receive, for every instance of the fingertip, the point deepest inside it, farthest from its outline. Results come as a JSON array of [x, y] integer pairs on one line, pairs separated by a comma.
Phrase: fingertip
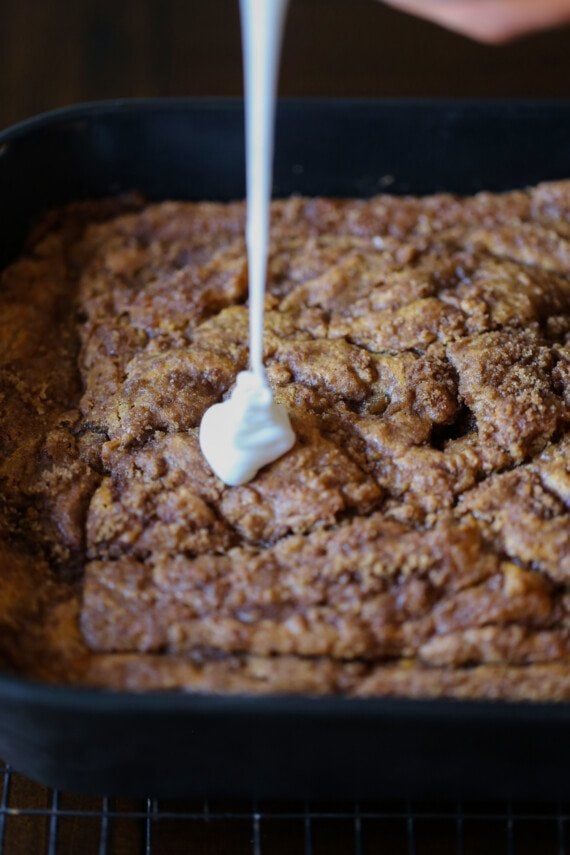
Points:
[[492, 37]]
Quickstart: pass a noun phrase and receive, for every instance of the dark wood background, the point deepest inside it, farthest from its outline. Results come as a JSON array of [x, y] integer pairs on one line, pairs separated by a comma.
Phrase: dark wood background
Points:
[[57, 52]]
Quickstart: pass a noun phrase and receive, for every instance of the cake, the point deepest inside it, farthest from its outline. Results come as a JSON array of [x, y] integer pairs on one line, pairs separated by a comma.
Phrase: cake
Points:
[[414, 542]]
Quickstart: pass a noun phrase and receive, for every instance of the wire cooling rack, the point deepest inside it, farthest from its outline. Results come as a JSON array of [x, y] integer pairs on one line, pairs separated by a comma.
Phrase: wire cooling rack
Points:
[[35, 820]]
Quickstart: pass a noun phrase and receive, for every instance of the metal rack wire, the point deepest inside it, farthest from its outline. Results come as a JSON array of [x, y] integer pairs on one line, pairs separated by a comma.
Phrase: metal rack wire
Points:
[[36, 819]]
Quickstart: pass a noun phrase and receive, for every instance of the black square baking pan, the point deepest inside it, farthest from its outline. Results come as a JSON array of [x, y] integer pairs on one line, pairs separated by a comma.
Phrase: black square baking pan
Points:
[[177, 744]]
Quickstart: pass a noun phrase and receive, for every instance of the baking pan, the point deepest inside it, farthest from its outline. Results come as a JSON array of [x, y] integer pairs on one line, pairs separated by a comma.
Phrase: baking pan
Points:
[[176, 744]]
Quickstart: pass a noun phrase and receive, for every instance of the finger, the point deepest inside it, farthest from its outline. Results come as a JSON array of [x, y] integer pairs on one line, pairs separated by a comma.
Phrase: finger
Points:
[[492, 21]]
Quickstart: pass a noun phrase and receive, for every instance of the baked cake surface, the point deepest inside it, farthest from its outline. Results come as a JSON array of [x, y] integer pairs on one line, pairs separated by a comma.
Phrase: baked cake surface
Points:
[[416, 539]]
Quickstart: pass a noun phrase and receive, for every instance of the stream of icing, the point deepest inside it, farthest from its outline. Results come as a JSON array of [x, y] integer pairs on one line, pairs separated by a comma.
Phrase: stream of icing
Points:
[[249, 429]]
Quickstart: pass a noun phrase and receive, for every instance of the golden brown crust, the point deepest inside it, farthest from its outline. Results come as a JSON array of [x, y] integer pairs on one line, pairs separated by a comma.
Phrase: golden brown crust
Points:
[[415, 541]]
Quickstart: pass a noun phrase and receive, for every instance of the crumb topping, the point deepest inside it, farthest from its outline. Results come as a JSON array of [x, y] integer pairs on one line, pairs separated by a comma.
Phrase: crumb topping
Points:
[[414, 541]]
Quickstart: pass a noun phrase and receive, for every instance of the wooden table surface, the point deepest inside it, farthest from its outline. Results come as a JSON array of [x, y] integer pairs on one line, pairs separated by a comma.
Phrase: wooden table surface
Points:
[[57, 52]]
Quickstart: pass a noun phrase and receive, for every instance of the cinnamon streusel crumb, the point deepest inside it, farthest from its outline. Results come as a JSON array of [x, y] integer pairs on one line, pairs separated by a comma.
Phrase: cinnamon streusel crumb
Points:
[[416, 539]]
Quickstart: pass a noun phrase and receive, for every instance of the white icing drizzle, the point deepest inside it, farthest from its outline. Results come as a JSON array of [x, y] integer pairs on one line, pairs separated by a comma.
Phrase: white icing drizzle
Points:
[[249, 430], [245, 432]]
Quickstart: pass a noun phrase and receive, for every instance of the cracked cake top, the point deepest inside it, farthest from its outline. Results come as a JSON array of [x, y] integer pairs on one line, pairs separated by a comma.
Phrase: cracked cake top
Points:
[[422, 349]]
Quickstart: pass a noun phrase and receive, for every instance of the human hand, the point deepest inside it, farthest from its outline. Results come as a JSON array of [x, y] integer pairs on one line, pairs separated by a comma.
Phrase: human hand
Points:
[[492, 21]]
